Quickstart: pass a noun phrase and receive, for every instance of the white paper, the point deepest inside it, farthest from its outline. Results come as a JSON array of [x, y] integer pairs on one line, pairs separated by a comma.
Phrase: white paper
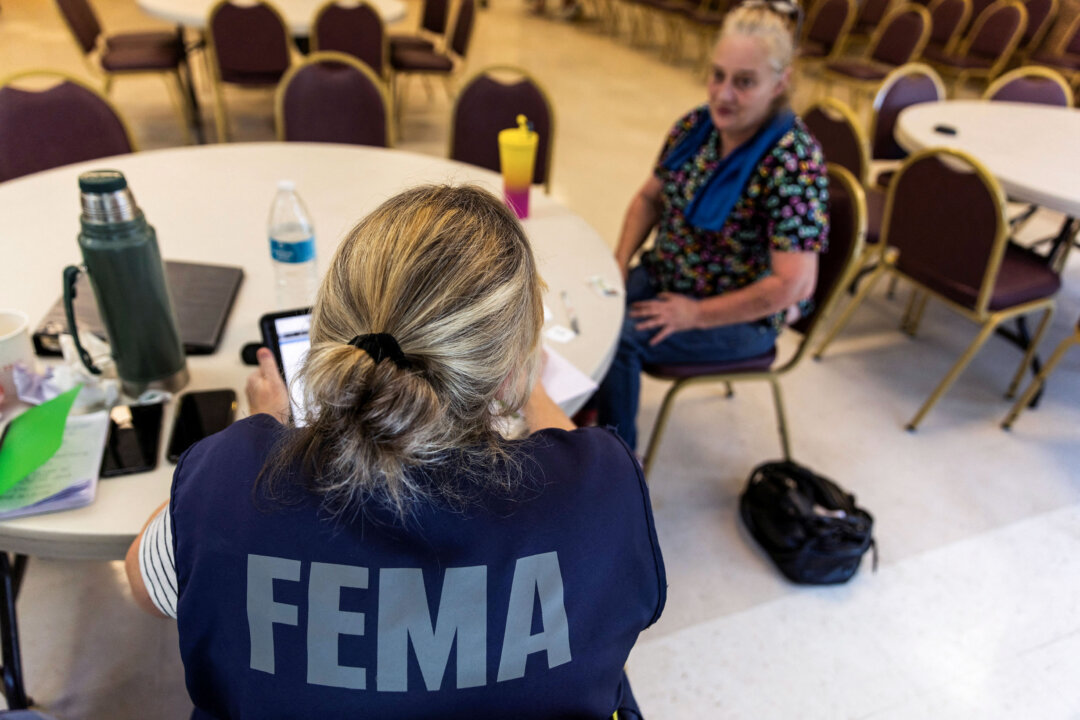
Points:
[[562, 380], [560, 334], [69, 479]]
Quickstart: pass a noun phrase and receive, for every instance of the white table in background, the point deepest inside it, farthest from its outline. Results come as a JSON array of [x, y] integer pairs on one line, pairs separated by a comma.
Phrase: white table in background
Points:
[[298, 14], [1033, 150], [210, 204]]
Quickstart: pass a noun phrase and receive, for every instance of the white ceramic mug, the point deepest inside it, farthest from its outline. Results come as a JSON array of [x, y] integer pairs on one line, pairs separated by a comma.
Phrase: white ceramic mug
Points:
[[15, 346]]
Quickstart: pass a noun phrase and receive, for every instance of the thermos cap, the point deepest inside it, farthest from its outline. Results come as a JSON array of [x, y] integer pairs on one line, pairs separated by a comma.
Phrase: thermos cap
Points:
[[106, 198], [102, 181]]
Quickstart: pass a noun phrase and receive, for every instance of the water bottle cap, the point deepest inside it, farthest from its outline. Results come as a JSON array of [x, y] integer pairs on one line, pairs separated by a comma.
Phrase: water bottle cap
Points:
[[286, 185], [102, 181]]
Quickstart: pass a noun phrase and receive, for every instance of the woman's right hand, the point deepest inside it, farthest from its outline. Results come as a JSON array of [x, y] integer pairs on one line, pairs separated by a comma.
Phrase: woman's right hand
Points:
[[266, 391]]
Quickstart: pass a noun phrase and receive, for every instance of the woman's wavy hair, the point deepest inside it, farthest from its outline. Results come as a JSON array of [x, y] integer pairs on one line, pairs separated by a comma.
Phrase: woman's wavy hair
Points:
[[449, 273]]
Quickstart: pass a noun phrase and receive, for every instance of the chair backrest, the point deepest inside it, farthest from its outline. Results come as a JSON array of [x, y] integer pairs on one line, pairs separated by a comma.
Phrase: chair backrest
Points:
[[249, 44], [82, 22], [355, 30], [871, 13], [978, 7], [837, 265], [945, 213], [996, 32], [948, 18], [463, 27], [829, 21], [333, 97], [907, 85], [836, 128], [902, 36], [487, 105], [434, 16], [1031, 84], [1069, 43], [67, 123], [1041, 14]]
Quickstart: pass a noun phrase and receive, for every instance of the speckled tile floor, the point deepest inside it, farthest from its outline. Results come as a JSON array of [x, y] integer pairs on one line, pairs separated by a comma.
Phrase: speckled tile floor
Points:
[[975, 610]]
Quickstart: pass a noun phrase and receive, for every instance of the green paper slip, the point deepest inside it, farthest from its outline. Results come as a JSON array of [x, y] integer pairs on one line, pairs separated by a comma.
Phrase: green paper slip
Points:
[[33, 437]]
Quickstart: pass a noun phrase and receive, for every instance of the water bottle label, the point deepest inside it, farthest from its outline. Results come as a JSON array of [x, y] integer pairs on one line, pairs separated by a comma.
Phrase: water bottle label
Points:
[[300, 251]]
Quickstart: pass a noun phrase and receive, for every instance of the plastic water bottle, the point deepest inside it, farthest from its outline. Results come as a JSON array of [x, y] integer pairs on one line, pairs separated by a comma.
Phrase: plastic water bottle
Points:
[[292, 249]]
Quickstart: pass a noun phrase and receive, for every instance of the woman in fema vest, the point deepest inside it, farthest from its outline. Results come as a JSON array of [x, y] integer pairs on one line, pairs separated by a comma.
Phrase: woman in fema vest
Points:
[[738, 200], [392, 556]]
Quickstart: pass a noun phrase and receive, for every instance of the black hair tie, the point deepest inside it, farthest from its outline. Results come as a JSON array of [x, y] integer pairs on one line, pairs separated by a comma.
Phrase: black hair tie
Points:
[[379, 346]]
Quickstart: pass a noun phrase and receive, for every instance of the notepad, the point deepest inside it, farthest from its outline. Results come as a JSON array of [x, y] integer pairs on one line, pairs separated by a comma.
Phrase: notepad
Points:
[[69, 478], [33, 437]]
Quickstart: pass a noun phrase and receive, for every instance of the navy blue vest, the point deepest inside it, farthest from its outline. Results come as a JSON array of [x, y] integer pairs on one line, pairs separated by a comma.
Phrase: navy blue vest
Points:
[[517, 608]]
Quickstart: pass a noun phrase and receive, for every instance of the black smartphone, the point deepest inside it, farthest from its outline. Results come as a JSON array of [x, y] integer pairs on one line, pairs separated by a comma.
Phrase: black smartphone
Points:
[[133, 441], [200, 414]]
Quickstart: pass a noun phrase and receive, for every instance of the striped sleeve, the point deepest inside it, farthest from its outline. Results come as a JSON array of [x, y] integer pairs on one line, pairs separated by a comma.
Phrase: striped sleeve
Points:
[[157, 563]]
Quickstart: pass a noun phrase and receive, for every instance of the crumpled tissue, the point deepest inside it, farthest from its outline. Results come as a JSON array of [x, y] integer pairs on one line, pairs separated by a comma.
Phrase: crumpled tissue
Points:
[[98, 390]]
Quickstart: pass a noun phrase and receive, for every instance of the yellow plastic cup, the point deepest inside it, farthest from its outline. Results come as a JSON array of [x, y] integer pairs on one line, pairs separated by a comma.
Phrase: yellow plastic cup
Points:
[[517, 158]]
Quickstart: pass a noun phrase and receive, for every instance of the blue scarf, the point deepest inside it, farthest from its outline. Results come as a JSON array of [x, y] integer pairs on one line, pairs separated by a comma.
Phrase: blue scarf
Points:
[[712, 203]]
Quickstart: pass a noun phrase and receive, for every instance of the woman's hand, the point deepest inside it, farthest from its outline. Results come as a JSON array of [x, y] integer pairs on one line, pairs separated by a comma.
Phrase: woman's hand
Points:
[[669, 312], [266, 391]]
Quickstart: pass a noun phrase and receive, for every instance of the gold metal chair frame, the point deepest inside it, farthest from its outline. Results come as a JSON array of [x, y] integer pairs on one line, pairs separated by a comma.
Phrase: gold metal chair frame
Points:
[[988, 320], [221, 117], [185, 113], [908, 69], [331, 56], [63, 76], [857, 37], [1040, 34], [1040, 379], [773, 375], [958, 31], [961, 76], [1030, 71], [489, 70], [861, 89], [314, 38], [1071, 74]]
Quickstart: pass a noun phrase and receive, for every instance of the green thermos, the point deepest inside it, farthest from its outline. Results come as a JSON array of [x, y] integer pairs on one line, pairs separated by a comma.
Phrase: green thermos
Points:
[[120, 255]]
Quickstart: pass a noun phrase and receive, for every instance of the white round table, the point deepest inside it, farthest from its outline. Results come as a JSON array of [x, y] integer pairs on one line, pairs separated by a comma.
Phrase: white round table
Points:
[[210, 204], [298, 14], [1033, 150]]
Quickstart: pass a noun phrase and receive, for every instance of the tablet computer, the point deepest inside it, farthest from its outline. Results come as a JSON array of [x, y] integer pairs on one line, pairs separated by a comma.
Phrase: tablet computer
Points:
[[286, 334]]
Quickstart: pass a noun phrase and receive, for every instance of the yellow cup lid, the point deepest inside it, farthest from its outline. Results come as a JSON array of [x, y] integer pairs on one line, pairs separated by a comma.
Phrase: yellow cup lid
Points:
[[520, 135]]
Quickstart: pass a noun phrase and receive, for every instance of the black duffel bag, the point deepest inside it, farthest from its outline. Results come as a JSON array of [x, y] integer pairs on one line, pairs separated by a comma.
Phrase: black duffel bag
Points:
[[809, 526]]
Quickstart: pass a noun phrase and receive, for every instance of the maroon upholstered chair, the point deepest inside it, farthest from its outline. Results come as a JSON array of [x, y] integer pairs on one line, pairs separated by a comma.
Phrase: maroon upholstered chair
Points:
[[161, 53], [406, 61], [870, 16], [355, 30], [433, 20], [1031, 84], [945, 215], [899, 40], [247, 45], [1064, 55], [333, 97], [827, 27], [67, 123], [908, 85], [836, 128], [987, 48], [1041, 15], [836, 267], [948, 18], [486, 105]]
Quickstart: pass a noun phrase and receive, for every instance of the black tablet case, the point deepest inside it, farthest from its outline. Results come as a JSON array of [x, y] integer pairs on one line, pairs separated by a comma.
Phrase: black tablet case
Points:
[[202, 298]]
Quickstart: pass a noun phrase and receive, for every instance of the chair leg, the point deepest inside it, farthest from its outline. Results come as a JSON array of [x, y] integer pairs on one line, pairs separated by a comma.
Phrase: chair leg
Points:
[[221, 120], [1037, 383], [911, 321], [448, 85], [659, 426], [781, 419], [1033, 345], [728, 390], [864, 290], [890, 292], [954, 372], [184, 112]]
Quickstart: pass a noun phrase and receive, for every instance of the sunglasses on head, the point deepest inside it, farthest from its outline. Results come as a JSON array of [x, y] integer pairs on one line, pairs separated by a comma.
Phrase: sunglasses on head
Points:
[[787, 8]]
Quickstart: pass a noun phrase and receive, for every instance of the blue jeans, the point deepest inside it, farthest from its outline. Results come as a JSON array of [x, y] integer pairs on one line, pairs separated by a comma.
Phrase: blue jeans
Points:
[[619, 394]]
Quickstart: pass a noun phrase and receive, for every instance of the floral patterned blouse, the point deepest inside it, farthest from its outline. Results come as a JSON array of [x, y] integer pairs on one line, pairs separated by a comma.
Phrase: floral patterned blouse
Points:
[[784, 208]]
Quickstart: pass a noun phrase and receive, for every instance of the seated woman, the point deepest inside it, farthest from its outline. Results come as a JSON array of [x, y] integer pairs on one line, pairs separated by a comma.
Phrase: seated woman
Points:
[[738, 201], [393, 556]]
